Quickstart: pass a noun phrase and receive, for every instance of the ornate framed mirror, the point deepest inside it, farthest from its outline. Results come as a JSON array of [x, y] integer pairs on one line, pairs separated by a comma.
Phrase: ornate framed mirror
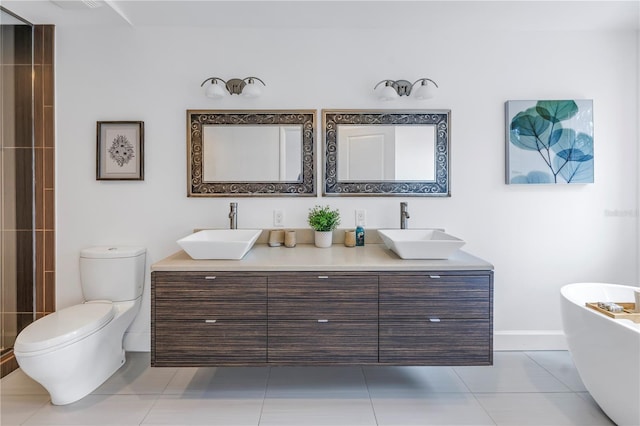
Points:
[[386, 152], [250, 153]]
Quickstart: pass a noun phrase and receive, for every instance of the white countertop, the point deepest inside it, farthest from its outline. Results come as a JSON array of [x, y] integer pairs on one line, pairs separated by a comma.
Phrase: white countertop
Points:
[[307, 257]]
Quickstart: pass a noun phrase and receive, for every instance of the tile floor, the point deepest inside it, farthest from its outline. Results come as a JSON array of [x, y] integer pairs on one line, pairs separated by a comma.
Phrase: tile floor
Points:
[[521, 388]]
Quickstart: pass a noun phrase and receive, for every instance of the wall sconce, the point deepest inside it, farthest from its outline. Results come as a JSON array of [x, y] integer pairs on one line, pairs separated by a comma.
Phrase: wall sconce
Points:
[[394, 89], [246, 87]]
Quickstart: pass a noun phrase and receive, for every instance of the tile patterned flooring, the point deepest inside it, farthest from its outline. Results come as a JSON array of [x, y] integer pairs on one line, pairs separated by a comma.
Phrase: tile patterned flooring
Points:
[[540, 388]]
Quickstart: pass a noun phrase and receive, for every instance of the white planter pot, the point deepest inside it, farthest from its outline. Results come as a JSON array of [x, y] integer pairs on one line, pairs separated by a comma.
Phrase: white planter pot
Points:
[[323, 239]]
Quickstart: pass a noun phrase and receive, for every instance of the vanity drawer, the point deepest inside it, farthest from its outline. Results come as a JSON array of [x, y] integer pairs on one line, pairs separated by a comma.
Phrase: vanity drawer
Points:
[[443, 296], [209, 309], [331, 342], [323, 296], [210, 284], [203, 295], [448, 342], [200, 343]]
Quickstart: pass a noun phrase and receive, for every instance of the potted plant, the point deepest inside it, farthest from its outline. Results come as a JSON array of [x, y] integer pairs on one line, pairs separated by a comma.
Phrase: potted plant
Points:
[[323, 220]]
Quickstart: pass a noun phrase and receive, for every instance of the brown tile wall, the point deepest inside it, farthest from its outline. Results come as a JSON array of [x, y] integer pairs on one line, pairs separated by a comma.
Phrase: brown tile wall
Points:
[[45, 167], [43, 153], [17, 298]]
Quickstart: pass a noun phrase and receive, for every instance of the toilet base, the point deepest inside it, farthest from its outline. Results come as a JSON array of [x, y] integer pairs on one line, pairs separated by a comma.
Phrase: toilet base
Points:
[[72, 372], [63, 396]]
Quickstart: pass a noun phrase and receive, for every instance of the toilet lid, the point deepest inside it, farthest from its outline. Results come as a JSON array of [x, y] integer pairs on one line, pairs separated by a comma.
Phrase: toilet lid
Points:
[[64, 326]]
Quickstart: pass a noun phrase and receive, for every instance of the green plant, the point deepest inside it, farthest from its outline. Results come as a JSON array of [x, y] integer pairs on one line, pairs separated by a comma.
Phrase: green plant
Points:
[[323, 218]]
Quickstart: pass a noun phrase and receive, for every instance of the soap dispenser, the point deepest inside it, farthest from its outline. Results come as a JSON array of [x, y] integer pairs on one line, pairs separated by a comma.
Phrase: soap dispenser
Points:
[[359, 235]]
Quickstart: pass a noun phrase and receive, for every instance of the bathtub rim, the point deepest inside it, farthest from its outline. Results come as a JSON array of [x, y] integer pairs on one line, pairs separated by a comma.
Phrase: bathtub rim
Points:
[[635, 327]]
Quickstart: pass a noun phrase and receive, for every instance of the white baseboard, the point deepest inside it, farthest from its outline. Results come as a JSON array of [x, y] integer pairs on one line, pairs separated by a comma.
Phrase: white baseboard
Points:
[[529, 340]]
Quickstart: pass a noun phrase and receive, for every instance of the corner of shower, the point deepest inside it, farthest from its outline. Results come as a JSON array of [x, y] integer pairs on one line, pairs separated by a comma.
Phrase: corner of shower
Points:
[[17, 180]]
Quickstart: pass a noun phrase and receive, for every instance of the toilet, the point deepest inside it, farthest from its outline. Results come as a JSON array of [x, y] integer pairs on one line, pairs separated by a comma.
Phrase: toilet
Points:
[[74, 350]]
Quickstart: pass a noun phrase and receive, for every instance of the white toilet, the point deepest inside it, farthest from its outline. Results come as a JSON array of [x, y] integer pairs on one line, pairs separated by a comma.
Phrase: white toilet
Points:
[[74, 350]]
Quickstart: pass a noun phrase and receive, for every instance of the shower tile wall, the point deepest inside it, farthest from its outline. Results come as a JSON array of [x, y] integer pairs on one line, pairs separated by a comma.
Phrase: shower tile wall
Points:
[[17, 178], [28, 242]]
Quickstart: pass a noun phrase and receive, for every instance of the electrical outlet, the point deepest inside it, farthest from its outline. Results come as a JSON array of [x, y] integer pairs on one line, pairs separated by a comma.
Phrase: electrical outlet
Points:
[[361, 217], [278, 218]]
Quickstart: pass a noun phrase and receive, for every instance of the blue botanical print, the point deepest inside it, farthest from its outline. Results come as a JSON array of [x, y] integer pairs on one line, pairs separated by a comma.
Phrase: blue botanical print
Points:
[[564, 152]]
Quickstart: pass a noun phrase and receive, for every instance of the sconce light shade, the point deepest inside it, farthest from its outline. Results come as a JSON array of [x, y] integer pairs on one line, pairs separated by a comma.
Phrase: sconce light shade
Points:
[[215, 90], [251, 89], [386, 92], [393, 89], [425, 90], [236, 86]]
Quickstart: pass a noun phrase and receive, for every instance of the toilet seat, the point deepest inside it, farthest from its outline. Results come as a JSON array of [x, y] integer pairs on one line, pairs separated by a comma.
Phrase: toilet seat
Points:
[[64, 327]]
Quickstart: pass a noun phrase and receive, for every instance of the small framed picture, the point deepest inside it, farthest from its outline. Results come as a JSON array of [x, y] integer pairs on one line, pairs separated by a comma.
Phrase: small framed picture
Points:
[[120, 150]]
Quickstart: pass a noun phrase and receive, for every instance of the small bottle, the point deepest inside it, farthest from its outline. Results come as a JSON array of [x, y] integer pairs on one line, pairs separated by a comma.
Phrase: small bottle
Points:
[[359, 235]]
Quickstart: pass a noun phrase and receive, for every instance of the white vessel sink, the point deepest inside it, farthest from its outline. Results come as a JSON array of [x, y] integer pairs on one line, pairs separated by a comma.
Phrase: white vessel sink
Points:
[[230, 244], [420, 243]]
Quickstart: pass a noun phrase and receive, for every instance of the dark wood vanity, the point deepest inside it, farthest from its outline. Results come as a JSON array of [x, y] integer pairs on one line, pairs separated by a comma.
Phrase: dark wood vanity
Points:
[[240, 316]]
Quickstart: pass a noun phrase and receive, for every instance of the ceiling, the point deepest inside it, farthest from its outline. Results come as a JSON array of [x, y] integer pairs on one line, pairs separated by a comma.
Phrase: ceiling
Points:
[[544, 15]]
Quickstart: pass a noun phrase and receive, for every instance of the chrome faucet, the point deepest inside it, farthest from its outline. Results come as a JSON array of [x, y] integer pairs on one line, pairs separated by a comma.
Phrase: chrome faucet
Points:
[[404, 215], [233, 216]]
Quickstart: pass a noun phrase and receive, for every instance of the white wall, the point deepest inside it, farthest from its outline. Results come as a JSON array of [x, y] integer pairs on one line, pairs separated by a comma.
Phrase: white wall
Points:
[[538, 237]]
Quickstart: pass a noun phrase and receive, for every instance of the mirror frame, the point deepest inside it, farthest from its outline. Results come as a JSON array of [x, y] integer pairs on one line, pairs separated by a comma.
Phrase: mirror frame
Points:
[[196, 187], [436, 188]]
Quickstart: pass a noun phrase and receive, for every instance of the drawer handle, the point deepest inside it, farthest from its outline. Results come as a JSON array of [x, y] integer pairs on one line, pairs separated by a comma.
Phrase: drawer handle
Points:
[[434, 276], [323, 320], [434, 319], [211, 277], [323, 277], [210, 321]]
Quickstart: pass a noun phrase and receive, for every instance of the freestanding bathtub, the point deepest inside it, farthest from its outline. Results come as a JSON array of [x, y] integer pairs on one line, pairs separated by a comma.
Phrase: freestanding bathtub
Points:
[[606, 351]]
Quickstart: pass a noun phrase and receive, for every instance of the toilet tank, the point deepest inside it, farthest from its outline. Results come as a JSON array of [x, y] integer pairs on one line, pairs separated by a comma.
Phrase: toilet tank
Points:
[[112, 273]]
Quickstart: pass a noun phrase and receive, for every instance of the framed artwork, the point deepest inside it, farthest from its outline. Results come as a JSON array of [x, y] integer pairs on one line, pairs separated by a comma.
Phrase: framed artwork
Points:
[[120, 150], [549, 142]]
